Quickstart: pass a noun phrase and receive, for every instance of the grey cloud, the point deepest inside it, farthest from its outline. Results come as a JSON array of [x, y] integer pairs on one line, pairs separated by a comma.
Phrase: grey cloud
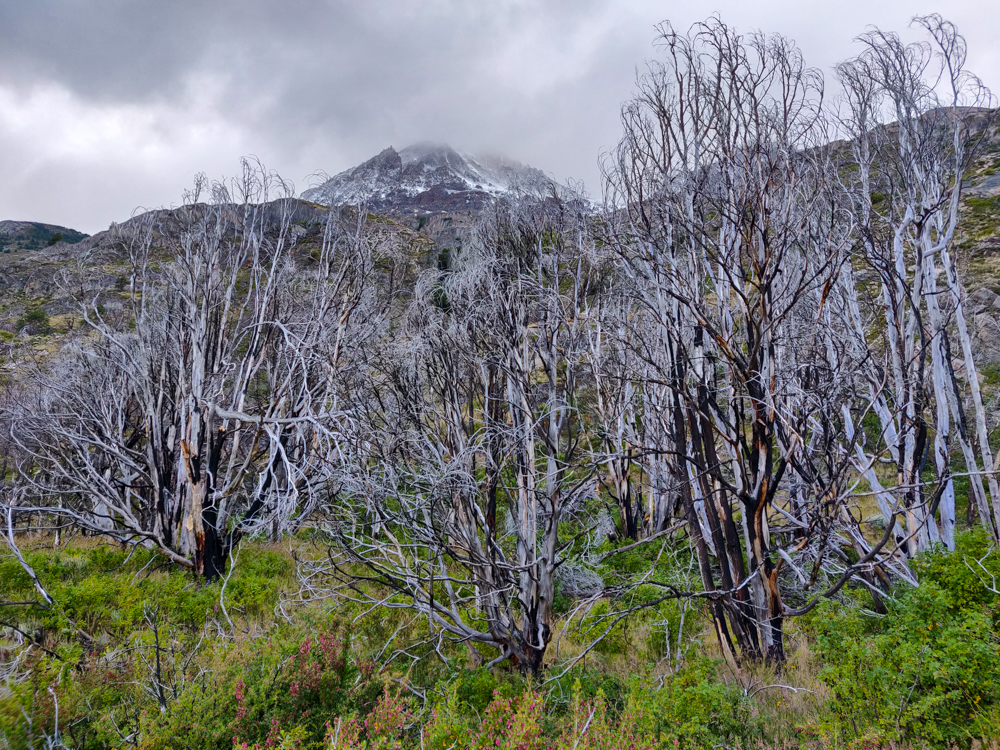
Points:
[[311, 85], [105, 50]]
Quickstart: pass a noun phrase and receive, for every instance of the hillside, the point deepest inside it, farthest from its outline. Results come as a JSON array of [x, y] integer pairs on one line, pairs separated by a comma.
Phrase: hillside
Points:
[[32, 235], [42, 290]]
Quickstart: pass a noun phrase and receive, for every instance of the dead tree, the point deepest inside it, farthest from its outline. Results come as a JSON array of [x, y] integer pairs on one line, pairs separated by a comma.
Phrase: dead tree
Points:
[[204, 407], [915, 117], [724, 220], [640, 506], [470, 449]]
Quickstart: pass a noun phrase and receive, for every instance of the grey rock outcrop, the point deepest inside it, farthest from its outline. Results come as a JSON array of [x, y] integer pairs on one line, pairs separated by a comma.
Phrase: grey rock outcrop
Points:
[[985, 332], [985, 301]]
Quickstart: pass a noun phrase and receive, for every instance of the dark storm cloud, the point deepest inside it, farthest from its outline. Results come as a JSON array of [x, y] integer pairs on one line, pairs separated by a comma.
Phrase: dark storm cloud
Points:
[[106, 105]]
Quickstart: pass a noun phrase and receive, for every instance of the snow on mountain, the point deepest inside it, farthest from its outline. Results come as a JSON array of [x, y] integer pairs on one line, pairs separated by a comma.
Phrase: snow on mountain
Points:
[[429, 178]]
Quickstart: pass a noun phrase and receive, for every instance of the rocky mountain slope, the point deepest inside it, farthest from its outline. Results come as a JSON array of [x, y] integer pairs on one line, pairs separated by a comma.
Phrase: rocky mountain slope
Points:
[[428, 179], [427, 198], [41, 290]]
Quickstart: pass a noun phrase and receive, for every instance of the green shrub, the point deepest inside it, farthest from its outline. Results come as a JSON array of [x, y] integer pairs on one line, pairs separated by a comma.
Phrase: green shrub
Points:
[[990, 373], [692, 709], [590, 727], [596, 623], [475, 689], [257, 581], [250, 693], [255, 691], [99, 645], [959, 575], [513, 723], [35, 320], [588, 683], [383, 729], [929, 670], [522, 722], [449, 725]]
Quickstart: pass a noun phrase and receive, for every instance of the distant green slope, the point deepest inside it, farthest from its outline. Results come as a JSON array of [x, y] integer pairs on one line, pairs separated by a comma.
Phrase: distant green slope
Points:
[[32, 235]]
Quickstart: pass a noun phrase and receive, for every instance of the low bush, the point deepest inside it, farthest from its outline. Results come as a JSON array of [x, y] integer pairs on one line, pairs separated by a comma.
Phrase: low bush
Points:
[[693, 708], [927, 672], [248, 693], [35, 320], [253, 693], [126, 652], [138, 655]]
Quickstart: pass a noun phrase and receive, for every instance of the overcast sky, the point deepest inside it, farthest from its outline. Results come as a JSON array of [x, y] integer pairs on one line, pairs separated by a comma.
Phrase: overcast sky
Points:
[[107, 106]]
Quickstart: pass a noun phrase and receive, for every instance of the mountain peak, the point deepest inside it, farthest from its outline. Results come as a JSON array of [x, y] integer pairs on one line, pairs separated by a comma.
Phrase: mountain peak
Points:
[[386, 159], [432, 155], [427, 178]]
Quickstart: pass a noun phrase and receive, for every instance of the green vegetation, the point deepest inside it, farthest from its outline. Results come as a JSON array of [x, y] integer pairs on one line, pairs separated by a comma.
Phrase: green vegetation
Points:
[[136, 647], [35, 319], [981, 217], [33, 236], [990, 374], [929, 670]]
